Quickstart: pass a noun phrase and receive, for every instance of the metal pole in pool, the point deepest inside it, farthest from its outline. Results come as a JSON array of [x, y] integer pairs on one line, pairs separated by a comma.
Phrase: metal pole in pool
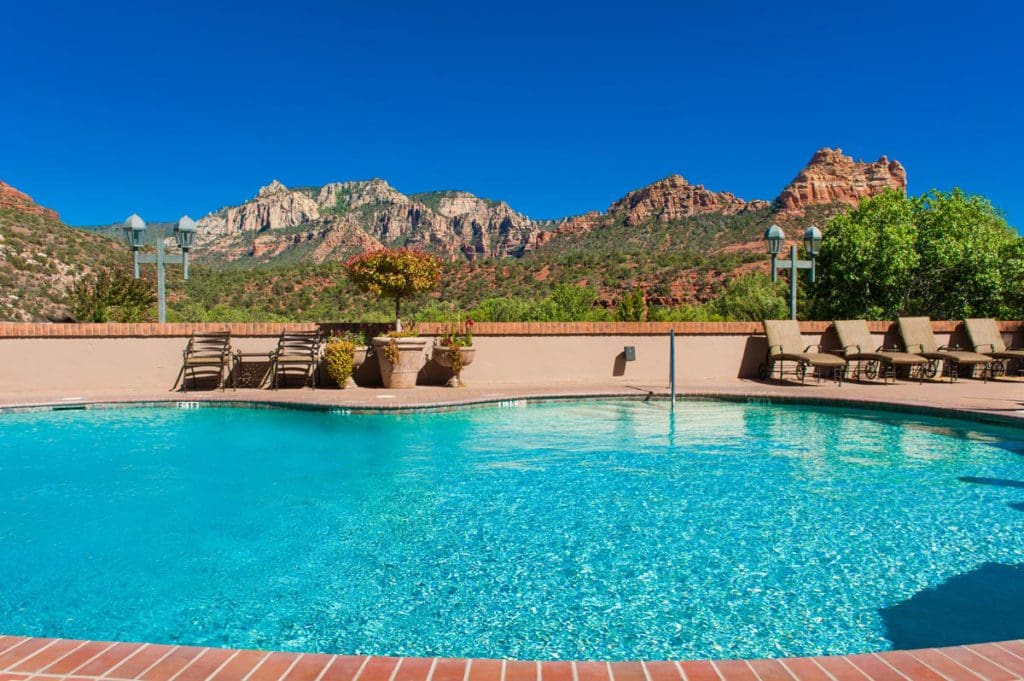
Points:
[[672, 364]]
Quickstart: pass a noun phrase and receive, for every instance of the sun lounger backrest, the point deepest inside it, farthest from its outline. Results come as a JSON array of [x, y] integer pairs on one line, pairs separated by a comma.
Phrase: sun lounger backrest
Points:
[[298, 343], [854, 332], [917, 334], [984, 335], [784, 336], [209, 344]]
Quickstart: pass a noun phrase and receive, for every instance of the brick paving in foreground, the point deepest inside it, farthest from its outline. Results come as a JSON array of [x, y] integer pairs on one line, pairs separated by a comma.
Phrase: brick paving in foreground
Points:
[[38, 659]]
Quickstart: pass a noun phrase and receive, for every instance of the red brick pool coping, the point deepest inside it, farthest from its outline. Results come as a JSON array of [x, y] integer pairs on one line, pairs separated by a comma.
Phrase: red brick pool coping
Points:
[[24, 658]]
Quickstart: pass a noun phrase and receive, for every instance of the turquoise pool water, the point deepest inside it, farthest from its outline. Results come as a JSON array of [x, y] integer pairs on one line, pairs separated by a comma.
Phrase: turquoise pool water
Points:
[[604, 529]]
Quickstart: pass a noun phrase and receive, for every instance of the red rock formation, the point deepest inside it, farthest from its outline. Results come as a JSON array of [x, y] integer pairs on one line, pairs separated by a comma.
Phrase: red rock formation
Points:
[[12, 198], [832, 177], [674, 198]]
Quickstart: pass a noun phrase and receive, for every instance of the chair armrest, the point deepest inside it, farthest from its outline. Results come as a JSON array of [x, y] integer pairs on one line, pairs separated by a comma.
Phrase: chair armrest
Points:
[[948, 348], [980, 348], [817, 347], [774, 346], [846, 348], [882, 348]]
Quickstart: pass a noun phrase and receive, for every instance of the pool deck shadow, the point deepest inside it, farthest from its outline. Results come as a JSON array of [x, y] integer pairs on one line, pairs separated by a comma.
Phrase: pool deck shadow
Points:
[[985, 604]]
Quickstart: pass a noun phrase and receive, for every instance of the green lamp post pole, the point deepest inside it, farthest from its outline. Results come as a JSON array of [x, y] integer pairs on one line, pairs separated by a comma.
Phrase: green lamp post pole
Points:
[[773, 239], [184, 235]]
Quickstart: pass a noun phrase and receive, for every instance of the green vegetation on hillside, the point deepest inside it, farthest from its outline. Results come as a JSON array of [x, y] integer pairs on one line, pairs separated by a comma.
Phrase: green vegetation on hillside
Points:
[[39, 260]]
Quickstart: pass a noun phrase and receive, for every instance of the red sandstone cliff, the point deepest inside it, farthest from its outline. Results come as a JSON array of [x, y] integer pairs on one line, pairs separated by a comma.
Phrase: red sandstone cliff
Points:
[[832, 177]]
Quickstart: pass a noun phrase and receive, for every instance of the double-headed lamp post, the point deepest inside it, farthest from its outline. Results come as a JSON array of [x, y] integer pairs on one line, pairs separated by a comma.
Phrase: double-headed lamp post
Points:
[[184, 234], [773, 239]]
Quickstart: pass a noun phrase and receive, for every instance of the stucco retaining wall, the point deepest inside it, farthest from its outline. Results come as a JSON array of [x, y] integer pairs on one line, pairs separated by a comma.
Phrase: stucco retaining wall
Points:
[[146, 357]]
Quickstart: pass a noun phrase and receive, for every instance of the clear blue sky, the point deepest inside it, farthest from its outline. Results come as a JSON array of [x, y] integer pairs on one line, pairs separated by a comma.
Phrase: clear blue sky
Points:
[[558, 108]]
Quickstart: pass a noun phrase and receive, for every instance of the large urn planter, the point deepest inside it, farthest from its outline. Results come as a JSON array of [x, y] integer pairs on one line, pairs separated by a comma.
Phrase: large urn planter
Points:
[[400, 360], [445, 356], [358, 359]]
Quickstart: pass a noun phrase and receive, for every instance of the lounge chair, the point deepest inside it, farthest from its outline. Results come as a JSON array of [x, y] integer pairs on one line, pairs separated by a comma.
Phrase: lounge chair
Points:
[[785, 344], [875, 360], [205, 354], [918, 338], [296, 351], [986, 340]]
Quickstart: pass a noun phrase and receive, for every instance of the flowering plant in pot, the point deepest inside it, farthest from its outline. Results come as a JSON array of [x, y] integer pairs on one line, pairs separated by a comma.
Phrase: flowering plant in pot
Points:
[[396, 273], [343, 354], [454, 349]]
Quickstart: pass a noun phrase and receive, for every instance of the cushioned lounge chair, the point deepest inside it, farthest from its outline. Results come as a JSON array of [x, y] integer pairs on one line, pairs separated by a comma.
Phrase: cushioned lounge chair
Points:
[[296, 351], [987, 340], [872, 360], [918, 338], [785, 344], [205, 354]]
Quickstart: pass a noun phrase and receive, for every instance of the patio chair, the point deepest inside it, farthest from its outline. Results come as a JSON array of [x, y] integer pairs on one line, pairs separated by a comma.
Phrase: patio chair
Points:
[[855, 337], [986, 340], [919, 339], [205, 354], [296, 351], [785, 344]]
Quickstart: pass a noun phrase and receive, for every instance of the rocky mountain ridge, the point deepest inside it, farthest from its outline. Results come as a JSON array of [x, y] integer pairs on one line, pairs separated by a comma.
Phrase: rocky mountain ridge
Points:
[[336, 220], [41, 258], [11, 198]]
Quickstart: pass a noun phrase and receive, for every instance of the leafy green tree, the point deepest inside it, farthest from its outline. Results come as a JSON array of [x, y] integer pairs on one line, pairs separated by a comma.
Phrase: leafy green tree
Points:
[[1012, 273], [112, 296], [572, 302], [962, 240], [752, 297], [868, 260], [943, 254]]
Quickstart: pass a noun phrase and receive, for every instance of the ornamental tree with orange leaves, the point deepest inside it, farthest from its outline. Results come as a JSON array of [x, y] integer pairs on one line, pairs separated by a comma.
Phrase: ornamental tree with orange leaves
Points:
[[395, 273]]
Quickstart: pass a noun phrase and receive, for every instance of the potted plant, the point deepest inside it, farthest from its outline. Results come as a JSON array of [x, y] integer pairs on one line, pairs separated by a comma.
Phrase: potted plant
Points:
[[342, 356], [454, 349], [396, 273]]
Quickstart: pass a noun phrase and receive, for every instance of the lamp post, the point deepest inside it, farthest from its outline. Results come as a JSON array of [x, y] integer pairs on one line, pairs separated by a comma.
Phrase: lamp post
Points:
[[773, 239], [184, 234]]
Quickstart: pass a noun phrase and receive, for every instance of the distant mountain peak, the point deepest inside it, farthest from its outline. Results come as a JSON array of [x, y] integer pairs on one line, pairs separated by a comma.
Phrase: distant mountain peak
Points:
[[275, 187], [833, 177]]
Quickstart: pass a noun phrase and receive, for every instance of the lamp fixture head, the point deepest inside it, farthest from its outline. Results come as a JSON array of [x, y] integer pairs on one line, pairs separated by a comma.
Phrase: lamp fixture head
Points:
[[812, 240], [773, 239], [185, 233], [134, 227]]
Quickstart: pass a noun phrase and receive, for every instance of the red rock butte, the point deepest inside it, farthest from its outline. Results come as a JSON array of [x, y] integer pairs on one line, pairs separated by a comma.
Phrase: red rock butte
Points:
[[832, 177]]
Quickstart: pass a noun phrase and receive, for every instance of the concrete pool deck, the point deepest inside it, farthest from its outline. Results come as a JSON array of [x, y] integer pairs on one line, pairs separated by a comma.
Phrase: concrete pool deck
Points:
[[45, 658], [1002, 399], [37, 659]]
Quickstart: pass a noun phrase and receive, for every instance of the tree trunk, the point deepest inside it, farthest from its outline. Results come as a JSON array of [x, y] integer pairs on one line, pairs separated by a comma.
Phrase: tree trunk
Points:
[[398, 318]]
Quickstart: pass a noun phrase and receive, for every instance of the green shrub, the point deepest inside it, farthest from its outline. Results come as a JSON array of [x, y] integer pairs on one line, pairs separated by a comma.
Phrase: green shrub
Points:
[[339, 360]]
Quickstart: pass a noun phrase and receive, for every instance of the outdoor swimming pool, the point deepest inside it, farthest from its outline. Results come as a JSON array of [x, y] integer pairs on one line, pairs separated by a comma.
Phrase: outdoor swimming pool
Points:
[[584, 530]]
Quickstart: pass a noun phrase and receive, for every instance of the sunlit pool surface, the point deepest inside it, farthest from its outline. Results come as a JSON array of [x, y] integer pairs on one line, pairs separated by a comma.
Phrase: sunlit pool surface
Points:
[[588, 530]]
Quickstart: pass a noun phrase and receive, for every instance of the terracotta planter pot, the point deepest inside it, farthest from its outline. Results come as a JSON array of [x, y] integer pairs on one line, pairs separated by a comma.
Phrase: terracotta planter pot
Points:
[[358, 357], [410, 360], [446, 358]]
